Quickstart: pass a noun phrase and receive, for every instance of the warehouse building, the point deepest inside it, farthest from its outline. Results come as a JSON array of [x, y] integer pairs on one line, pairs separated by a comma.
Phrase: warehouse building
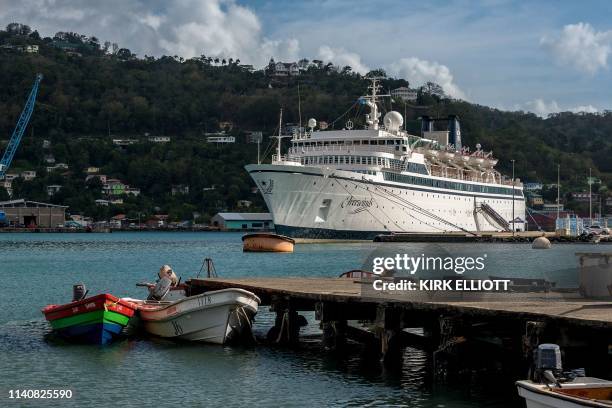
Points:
[[33, 214], [242, 221]]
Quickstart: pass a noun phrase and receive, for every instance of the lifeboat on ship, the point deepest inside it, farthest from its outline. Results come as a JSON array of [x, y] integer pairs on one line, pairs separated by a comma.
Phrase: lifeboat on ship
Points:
[[267, 242]]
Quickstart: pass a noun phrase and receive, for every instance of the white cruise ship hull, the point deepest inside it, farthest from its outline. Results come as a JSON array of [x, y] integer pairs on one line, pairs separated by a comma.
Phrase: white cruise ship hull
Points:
[[324, 203]]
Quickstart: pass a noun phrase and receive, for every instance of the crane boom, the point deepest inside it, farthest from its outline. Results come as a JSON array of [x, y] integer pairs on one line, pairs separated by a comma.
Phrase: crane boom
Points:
[[20, 128]]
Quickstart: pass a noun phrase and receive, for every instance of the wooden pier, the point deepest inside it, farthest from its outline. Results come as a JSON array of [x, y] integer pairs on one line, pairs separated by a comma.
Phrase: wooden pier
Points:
[[583, 328]]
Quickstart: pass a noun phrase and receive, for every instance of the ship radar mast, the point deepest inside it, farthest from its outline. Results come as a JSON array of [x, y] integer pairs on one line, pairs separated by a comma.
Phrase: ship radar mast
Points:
[[371, 100], [278, 157]]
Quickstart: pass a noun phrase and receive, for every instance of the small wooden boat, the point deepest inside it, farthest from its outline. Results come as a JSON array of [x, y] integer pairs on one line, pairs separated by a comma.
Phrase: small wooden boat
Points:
[[267, 242], [357, 274], [98, 319], [578, 393], [219, 316]]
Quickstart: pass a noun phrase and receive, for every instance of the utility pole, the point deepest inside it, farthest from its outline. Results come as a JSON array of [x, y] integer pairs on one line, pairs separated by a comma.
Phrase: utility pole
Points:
[[299, 110], [590, 200], [558, 188], [513, 228], [280, 127]]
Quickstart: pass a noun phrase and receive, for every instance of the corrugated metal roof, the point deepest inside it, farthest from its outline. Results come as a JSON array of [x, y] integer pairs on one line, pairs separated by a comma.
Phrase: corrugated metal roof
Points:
[[245, 216], [26, 203]]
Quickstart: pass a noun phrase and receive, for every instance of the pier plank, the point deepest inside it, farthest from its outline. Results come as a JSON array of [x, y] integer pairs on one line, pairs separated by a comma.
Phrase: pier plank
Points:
[[569, 311]]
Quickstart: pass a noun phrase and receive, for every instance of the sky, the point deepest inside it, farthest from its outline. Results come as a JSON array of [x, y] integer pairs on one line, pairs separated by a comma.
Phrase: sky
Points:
[[539, 56]]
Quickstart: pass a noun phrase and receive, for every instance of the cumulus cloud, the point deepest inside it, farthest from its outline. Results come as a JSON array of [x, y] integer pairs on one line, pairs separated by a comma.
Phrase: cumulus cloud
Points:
[[419, 71], [342, 57], [189, 28], [218, 28], [581, 47], [543, 109]]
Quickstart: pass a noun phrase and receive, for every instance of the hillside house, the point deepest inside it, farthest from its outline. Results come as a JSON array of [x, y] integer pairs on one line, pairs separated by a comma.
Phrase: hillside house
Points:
[[28, 175], [159, 139], [53, 189], [180, 189], [404, 93]]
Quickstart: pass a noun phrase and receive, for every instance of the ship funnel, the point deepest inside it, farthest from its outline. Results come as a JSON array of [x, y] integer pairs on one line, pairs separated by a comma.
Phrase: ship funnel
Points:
[[454, 131], [426, 125]]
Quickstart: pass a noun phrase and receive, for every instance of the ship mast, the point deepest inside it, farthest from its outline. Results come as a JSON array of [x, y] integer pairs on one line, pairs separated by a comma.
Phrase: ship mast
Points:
[[279, 158], [280, 126], [371, 100]]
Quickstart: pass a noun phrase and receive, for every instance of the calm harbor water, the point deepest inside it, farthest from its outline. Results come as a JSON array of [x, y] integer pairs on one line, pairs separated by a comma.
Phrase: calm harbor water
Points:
[[38, 269]]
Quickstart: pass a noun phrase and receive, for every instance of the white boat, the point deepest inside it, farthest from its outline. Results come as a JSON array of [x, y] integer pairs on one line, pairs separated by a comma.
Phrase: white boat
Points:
[[357, 183], [219, 316], [579, 393]]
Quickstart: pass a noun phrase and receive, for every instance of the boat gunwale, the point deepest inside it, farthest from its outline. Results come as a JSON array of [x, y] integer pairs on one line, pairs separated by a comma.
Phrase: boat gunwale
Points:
[[102, 298], [167, 304], [536, 388], [268, 235]]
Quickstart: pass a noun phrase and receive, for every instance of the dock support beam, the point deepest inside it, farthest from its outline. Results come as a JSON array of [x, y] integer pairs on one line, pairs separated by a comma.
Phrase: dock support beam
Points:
[[286, 330], [388, 330], [534, 332], [333, 324]]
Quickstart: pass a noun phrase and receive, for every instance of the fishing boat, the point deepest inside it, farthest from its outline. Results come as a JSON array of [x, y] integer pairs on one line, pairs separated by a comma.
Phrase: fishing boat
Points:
[[267, 242], [580, 392], [219, 317], [98, 319]]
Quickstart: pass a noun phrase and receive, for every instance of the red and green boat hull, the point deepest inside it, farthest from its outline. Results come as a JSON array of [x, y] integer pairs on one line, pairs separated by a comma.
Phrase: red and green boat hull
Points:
[[98, 320]]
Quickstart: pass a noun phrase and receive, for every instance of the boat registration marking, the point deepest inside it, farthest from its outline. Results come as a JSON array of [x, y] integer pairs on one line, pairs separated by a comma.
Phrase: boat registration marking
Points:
[[204, 301]]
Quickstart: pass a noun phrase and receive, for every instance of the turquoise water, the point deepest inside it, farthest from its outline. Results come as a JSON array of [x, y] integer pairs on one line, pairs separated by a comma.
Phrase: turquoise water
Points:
[[38, 269]]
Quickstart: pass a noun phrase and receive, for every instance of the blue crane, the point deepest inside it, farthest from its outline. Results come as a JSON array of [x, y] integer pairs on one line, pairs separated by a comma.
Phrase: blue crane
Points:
[[22, 123]]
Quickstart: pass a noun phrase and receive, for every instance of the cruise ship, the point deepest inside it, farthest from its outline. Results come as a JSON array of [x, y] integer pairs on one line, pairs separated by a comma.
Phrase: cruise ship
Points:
[[359, 183]]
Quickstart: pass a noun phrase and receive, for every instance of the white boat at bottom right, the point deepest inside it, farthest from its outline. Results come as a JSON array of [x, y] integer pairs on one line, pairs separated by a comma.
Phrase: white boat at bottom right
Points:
[[550, 386], [578, 393]]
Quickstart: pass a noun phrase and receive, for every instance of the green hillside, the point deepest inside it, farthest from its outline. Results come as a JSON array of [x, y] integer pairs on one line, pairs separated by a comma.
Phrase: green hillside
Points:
[[92, 93]]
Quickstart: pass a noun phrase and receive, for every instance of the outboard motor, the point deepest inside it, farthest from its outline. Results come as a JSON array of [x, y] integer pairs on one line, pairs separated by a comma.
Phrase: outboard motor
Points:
[[548, 366], [79, 292], [167, 272], [161, 289]]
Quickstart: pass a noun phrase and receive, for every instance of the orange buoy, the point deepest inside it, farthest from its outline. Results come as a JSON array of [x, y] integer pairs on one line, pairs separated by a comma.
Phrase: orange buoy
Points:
[[267, 242]]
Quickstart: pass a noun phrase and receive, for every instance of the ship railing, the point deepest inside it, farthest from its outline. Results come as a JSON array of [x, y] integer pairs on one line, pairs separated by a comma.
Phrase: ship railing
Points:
[[286, 158], [346, 149]]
